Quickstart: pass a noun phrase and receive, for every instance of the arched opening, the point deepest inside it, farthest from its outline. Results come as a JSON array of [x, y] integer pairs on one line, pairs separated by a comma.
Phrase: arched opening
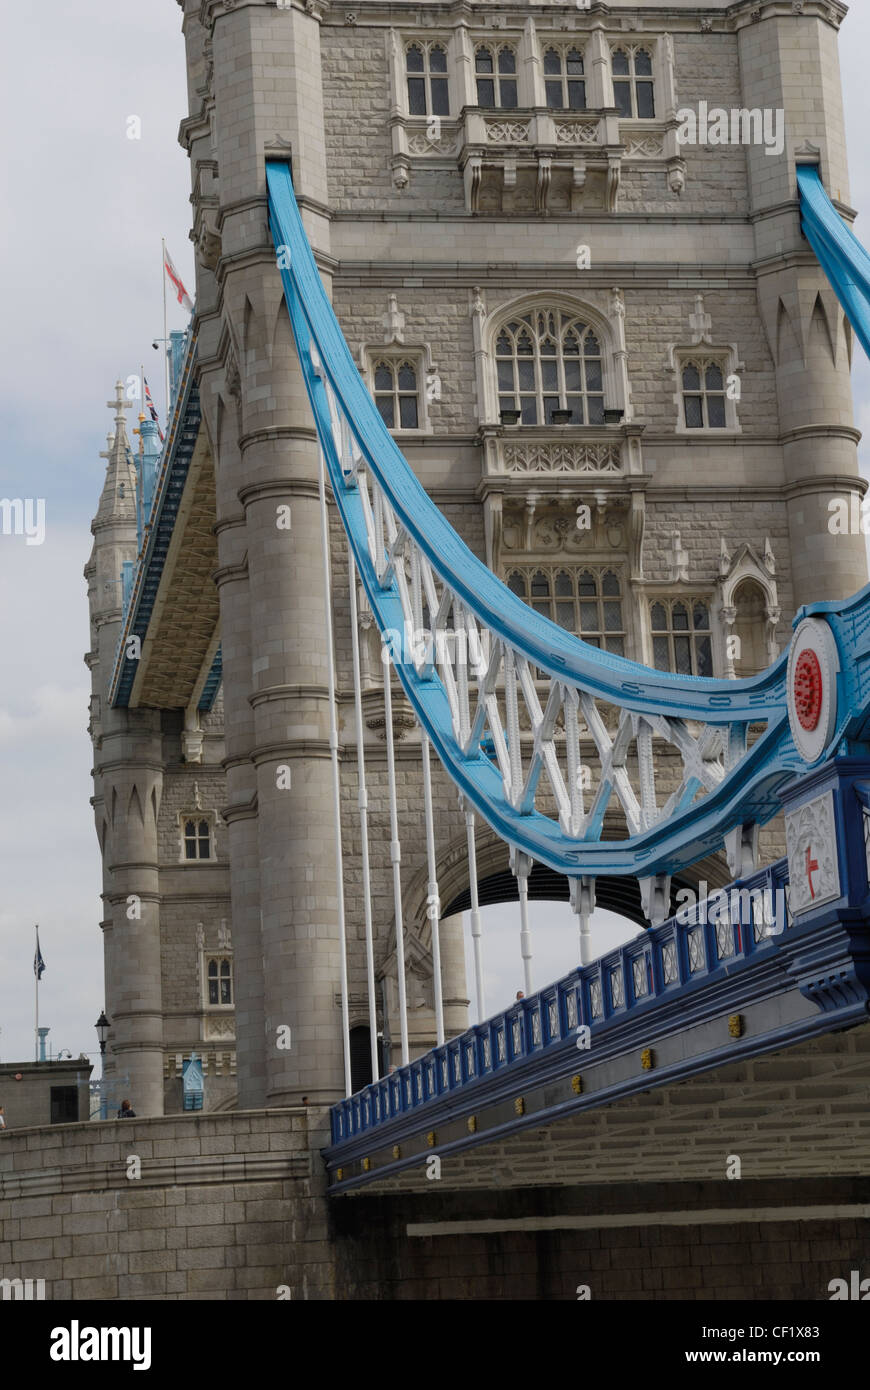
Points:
[[618, 918], [750, 627]]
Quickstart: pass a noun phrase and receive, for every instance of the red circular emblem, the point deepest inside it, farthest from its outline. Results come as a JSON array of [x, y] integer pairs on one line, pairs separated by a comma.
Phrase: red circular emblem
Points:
[[808, 689]]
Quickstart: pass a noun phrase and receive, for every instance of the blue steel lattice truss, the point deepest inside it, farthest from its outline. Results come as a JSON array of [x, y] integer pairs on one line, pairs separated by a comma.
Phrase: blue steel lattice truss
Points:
[[353, 436], [840, 253]]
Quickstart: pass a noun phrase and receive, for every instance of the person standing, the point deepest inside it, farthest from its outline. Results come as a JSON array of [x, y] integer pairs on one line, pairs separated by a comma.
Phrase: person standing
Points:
[[126, 1112], [2, 1118]]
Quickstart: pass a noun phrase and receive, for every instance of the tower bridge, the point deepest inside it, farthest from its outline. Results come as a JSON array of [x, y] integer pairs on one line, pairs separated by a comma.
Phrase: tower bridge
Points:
[[401, 389]]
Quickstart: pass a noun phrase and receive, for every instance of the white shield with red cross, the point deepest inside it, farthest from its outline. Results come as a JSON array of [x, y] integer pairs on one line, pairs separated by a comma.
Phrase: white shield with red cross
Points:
[[813, 866]]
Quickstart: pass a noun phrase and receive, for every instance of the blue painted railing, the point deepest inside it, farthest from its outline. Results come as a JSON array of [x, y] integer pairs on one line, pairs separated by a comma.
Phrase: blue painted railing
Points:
[[701, 941]]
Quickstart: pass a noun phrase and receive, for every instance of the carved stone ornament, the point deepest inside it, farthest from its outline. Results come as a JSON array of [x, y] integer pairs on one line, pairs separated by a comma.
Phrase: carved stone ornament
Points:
[[233, 379], [208, 241], [813, 865]]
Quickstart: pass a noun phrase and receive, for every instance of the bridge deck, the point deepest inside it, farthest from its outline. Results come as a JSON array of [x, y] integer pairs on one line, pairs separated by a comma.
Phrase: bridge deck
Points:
[[716, 991]]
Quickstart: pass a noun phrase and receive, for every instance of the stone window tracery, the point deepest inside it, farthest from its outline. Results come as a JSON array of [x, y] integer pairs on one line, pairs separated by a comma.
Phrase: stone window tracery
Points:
[[196, 834], [564, 78], [397, 392], [426, 78], [219, 981], [703, 394], [682, 635], [495, 71], [633, 83], [549, 361], [588, 602]]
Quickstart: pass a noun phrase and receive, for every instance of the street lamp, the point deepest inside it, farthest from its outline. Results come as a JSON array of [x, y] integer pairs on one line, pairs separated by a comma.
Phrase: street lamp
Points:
[[102, 1026]]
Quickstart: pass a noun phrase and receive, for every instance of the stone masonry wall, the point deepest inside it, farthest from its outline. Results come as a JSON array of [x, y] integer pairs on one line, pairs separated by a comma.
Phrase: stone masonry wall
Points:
[[226, 1208], [232, 1207], [735, 1259]]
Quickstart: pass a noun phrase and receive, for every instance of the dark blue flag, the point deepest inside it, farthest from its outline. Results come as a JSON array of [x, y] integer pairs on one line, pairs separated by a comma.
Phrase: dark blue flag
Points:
[[38, 962]]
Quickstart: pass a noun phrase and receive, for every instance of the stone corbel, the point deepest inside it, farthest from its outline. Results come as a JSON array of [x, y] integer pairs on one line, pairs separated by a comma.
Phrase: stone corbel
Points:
[[404, 720], [578, 183], [542, 188], [471, 178], [614, 173], [636, 527], [208, 241], [676, 175], [532, 500], [492, 524]]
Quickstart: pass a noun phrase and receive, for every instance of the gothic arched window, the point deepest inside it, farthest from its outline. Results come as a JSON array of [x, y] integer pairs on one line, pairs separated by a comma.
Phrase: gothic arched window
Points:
[[496, 77], [587, 602], [548, 361], [750, 627], [426, 70], [196, 832], [564, 79], [703, 390], [633, 83], [397, 393], [682, 636]]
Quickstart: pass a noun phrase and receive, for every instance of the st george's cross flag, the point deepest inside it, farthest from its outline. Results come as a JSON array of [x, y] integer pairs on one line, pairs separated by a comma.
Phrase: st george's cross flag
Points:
[[149, 401], [183, 297]]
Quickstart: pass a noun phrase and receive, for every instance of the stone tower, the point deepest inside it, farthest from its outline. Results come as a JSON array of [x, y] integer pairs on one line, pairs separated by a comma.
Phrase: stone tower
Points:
[[565, 310], [127, 786], [154, 792]]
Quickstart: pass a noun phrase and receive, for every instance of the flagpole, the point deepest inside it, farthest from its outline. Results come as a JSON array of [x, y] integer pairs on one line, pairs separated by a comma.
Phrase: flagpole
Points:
[[165, 332], [36, 999]]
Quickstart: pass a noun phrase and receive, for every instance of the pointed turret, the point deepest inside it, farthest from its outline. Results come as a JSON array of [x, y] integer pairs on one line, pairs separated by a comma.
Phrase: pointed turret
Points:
[[118, 498], [114, 532]]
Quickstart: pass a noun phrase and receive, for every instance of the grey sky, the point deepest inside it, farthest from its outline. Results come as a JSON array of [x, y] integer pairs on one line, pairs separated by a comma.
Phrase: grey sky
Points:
[[84, 209]]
